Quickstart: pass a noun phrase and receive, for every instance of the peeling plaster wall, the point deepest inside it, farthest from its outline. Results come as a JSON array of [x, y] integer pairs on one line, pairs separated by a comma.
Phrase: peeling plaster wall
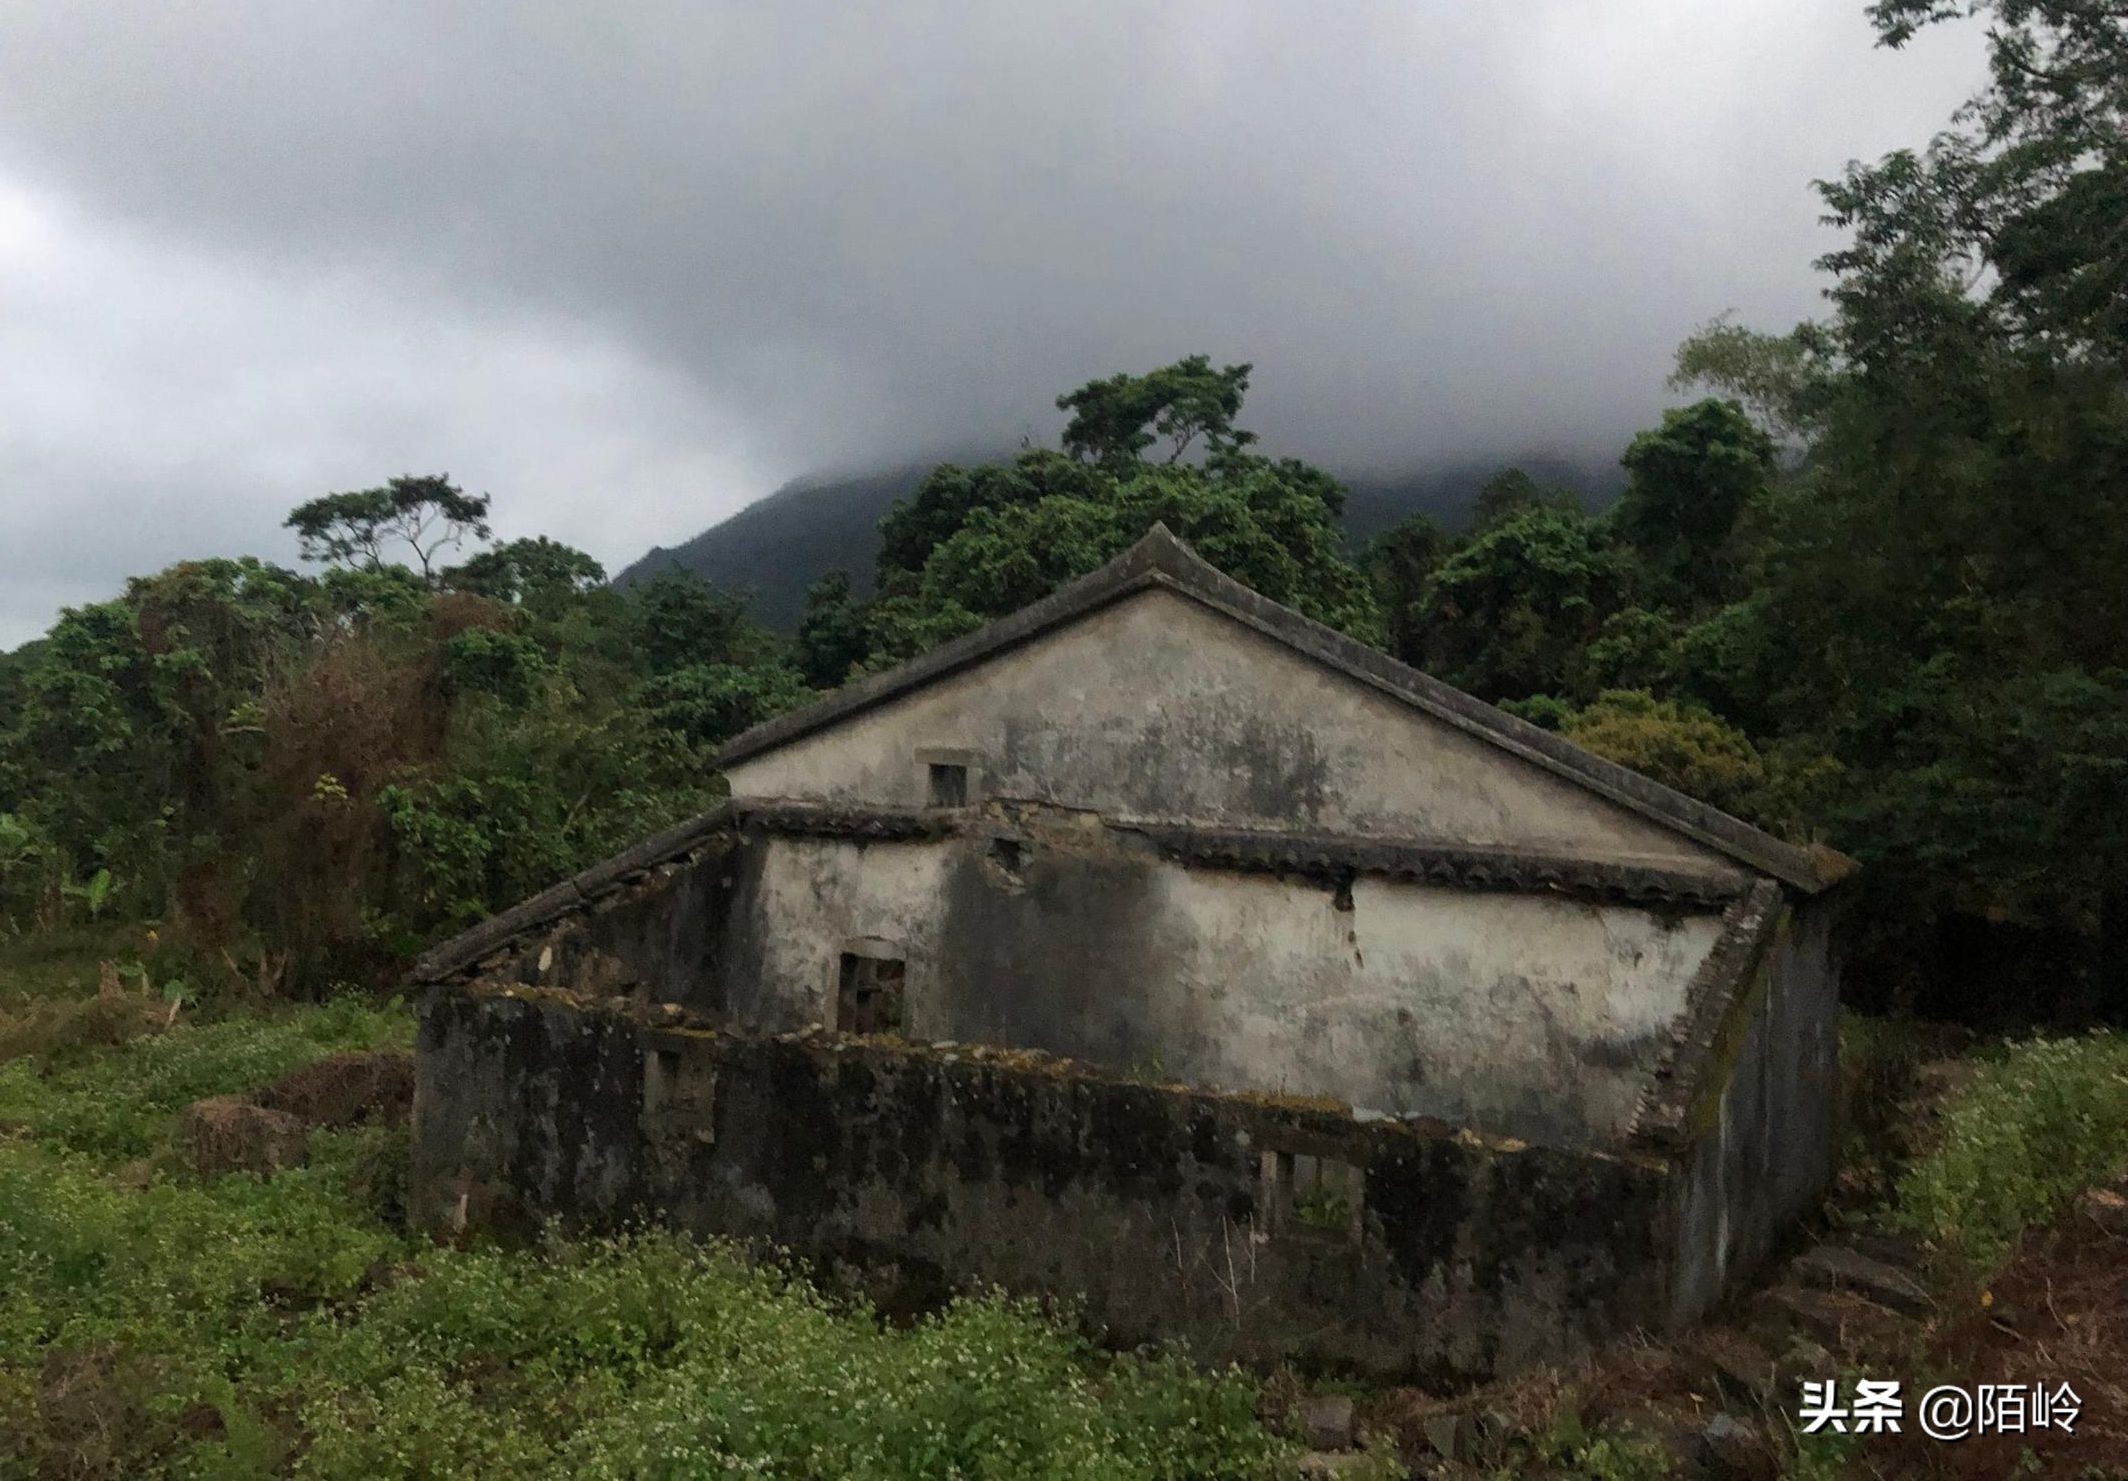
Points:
[[800, 902], [1530, 1015], [1159, 707], [921, 1172], [664, 938], [1767, 1151], [1525, 1014]]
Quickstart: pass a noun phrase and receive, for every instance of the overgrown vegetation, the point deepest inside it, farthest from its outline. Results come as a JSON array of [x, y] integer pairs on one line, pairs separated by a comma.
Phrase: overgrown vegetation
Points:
[[1870, 599], [1868, 594], [157, 1321], [305, 777], [2043, 1121]]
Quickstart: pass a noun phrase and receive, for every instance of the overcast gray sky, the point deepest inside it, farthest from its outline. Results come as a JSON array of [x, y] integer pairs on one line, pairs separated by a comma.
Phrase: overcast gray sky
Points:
[[627, 266]]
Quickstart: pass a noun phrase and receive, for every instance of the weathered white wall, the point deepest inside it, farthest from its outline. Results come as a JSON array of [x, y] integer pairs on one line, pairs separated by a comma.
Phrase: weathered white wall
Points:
[[804, 899], [1529, 1015], [1520, 1012], [1769, 1152], [1157, 707]]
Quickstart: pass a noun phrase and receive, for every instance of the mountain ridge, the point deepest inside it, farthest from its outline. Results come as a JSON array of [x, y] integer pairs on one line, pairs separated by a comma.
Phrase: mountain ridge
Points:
[[779, 545]]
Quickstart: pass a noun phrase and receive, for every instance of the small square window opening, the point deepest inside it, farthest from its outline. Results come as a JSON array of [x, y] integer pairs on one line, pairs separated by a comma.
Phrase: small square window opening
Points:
[[1308, 1195], [949, 784]]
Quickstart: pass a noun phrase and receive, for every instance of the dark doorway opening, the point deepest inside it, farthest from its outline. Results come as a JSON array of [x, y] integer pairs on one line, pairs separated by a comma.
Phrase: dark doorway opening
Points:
[[868, 994]]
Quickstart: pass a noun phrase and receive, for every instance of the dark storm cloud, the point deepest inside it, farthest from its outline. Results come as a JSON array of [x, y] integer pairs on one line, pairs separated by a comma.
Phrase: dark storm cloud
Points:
[[626, 265]]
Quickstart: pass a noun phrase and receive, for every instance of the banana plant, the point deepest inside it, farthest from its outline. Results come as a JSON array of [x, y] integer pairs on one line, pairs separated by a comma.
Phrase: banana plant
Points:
[[94, 893]]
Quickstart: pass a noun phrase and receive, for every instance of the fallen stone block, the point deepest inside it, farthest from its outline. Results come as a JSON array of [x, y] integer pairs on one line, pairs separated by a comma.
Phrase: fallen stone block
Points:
[[1730, 1450], [1900, 1251], [1735, 1363], [226, 1133], [343, 1089], [1326, 1421], [1847, 1322], [1836, 1267]]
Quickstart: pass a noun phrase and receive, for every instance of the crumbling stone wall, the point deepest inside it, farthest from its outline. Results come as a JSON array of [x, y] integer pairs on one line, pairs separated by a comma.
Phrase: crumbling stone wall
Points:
[[1524, 1011], [1167, 1212]]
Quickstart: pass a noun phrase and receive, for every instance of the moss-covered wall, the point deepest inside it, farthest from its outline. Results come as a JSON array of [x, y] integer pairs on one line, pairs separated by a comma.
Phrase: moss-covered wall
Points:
[[929, 1168], [1762, 1152]]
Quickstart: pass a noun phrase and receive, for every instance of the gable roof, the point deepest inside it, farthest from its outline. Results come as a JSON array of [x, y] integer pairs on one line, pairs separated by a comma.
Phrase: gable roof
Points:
[[1162, 561]]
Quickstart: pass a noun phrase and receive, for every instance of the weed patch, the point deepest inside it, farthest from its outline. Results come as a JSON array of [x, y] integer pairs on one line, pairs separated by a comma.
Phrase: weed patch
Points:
[[120, 1104], [154, 1321], [2036, 1127]]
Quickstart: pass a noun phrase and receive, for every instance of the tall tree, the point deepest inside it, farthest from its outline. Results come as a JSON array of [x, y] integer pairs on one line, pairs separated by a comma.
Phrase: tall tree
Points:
[[2030, 183], [1938, 597], [1114, 421], [426, 515], [1401, 561], [683, 621], [537, 570], [1506, 613], [974, 543], [1689, 482], [1512, 490], [831, 632]]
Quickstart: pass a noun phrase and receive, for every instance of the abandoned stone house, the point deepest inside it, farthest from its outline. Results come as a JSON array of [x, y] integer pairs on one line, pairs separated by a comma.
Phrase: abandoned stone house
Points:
[[1158, 948]]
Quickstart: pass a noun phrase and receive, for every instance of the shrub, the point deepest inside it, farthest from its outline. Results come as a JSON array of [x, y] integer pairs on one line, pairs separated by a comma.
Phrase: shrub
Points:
[[241, 1326], [1880, 1060], [121, 1104], [154, 1321], [1690, 749], [129, 1312], [2037, 1127], [67, 1030]]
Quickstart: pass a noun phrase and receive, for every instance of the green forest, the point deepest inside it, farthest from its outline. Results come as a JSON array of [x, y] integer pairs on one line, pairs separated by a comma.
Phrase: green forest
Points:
[[1866, 586], [1866, 592]]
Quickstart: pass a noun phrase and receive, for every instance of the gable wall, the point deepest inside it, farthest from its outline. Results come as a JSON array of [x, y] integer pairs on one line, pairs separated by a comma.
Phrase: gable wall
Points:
[[1157, 707]]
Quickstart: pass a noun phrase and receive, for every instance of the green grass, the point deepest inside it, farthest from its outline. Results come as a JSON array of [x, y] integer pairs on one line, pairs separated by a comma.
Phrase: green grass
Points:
[[63, 962], [2042, 1122], [120, 1103], [105, 1074], [156, 1322], [1569, 1446]]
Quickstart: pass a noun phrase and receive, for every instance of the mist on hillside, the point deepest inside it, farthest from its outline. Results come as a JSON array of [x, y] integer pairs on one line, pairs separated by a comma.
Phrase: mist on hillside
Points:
[[632, 271]]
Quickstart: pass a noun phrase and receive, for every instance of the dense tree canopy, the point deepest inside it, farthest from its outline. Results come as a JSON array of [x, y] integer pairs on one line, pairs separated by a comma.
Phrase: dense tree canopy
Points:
[[329, 770], [1513, 491], [537, 570], [973, 543], [1504, 614], [1935, 596], [1691, 480], [1115, 421], [1868, 593]]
